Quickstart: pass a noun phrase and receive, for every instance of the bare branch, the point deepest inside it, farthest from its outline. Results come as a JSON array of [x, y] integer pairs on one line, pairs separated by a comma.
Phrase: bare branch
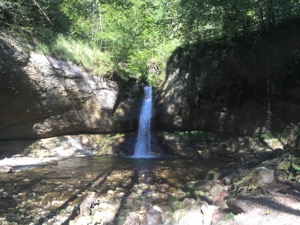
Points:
[[43, 12]]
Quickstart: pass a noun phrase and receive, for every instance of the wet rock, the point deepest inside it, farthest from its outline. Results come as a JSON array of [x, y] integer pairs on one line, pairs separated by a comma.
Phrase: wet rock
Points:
[[110, 192], [216, 190], [220, 197], [207, 199], [190, 215], [189, 185], [199, 194], [213, 174], [179, 195], [235, 206], [105, 212], [284, 165], [262, 176], [293, 142], [223, 204], [132, 219], [197, 188], [194, 213], [154, 217], [6, 169], [87, 203], [175, 204], [227, 180], [203, 185], [281, 175], [83, 220]]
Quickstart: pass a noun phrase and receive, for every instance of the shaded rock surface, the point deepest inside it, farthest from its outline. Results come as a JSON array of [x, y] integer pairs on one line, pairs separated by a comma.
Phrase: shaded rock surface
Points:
[[154, 217], [246, 88], [16, 155], [205, 145], [42, 96]]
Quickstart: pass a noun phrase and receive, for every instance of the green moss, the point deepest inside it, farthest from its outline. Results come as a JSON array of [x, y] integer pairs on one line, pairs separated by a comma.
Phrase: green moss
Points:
[[275, 136], [229, 216], [197, 135], [244, 180]]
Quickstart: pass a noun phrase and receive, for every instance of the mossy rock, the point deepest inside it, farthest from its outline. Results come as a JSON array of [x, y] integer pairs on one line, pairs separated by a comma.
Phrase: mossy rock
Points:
[[284, 165], [296, 163], [214, 174], [189, 186], [244, 180]]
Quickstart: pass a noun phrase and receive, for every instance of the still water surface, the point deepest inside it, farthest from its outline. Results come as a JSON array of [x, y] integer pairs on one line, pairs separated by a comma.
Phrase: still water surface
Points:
[[46, 191]]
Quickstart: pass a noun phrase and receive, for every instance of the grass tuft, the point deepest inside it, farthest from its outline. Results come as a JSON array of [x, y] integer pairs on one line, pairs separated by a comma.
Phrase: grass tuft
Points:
[[86, 55]]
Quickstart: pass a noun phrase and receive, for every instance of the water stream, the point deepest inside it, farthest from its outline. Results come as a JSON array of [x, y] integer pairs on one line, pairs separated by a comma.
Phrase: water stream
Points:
[[143, 143]]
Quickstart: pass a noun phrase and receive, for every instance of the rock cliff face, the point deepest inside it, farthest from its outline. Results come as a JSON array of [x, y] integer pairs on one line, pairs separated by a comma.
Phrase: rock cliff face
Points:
[[247, 87], [42, 97]]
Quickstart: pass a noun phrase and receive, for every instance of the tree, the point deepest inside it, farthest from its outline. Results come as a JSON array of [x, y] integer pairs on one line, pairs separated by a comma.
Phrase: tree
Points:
[[211, 19], [138, 34]]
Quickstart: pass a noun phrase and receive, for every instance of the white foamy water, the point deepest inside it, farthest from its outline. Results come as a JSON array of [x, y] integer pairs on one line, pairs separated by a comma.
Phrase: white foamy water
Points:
[[143, 143]]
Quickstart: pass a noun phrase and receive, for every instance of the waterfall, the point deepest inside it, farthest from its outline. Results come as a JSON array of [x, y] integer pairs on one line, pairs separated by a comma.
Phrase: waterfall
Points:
[[143, 142]]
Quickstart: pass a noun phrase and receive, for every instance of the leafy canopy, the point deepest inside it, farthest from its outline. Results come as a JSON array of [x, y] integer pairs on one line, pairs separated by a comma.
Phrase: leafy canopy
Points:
[[134, 38]]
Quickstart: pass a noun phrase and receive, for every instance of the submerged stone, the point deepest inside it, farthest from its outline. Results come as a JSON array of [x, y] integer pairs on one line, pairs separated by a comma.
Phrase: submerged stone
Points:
[[154, 217]]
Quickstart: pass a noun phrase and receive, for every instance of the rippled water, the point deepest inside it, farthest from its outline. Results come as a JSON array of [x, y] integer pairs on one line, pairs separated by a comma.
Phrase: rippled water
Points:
[[30, 196]]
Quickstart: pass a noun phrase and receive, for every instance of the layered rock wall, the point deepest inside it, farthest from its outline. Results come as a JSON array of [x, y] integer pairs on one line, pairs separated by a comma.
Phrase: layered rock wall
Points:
[[249, 86], [41, 96]]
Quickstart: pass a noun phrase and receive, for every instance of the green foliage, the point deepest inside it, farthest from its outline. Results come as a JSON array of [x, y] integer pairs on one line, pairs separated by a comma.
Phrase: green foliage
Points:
[[33, 17], [198, 135], [87, 55], [229, 216], [210, 19], [134, 38], [132, 35]]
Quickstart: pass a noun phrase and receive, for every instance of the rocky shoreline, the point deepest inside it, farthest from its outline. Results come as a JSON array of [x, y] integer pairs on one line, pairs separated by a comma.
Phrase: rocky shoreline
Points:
[[255, 185]]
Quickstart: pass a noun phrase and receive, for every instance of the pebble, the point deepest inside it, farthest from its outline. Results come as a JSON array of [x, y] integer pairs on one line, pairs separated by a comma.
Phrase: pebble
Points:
[[110, 192], [216, 190], [121, 194]]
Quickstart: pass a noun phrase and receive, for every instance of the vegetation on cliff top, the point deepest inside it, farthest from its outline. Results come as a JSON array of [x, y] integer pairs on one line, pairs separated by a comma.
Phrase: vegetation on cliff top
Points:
[[134, 38]]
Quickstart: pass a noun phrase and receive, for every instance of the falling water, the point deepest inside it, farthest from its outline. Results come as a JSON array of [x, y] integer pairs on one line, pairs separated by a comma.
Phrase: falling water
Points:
[[143, 143]]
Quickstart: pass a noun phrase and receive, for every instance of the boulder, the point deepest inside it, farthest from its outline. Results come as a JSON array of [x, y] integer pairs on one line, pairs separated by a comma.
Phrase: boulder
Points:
[[216, 190], [194, 213], [262, 176], [236, 206], [293, 143]]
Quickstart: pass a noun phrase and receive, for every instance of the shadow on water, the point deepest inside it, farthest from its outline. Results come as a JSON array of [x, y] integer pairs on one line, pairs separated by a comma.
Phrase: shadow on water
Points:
[[51, 190], [99, 181]]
